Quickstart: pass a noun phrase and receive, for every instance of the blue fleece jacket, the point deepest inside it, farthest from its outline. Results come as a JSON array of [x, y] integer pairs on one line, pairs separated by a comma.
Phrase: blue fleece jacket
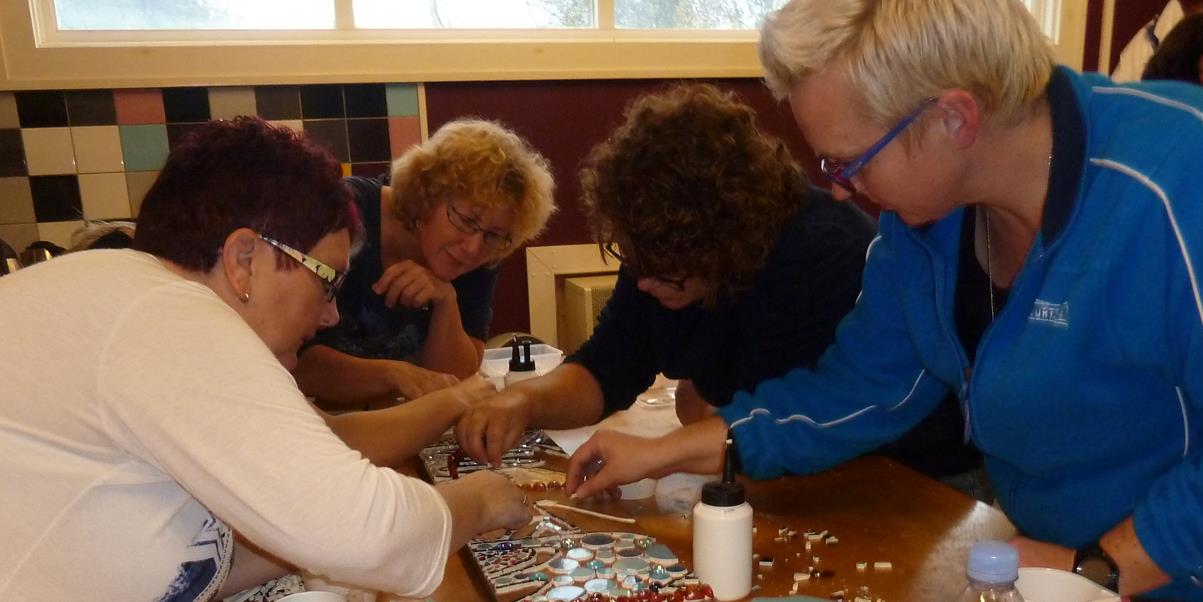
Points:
[[1087, 393]]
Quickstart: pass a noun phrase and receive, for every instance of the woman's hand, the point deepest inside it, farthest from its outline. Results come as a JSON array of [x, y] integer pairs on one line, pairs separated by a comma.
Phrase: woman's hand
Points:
[[412, 382], [490, 428], [498, 502], [609, 459], [411, 285]]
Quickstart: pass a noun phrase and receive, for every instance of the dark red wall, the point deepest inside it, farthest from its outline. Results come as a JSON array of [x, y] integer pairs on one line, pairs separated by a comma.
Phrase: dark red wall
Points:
[[563, 120]]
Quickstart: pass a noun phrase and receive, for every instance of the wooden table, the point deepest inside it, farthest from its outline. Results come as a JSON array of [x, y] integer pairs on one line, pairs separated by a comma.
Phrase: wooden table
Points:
[[878, 509]]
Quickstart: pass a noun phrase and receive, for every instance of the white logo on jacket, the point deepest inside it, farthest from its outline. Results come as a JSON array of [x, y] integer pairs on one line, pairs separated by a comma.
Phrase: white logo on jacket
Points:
[[1056, 314]]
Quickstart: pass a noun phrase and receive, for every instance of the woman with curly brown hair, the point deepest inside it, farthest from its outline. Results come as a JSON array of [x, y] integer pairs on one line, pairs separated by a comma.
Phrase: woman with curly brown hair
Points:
[[734, 270], [418, 299]]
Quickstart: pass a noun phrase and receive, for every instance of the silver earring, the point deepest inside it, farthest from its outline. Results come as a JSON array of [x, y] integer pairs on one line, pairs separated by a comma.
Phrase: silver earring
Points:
[[246, 297]]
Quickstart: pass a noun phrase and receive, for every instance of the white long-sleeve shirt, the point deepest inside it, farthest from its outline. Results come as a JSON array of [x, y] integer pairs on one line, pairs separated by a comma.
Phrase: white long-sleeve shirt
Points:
[[141, 419]]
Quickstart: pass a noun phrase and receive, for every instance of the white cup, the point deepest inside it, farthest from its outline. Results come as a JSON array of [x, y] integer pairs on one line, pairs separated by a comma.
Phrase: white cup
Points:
[[313, 597], [1052, 585]]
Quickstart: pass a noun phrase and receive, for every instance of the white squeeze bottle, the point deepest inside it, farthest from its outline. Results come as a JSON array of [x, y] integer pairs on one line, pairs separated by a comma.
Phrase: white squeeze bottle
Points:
[[722, 535], [992, 569]]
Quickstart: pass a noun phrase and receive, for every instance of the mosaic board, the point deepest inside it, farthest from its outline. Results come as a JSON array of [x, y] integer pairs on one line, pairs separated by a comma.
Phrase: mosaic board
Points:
[[557, 561]]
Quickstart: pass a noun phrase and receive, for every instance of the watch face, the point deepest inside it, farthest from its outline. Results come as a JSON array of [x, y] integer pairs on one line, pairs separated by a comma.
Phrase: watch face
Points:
[[1095, 569]]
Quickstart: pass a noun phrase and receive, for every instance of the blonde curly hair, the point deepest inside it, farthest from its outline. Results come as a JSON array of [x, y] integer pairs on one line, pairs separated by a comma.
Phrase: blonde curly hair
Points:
[[481, 162]]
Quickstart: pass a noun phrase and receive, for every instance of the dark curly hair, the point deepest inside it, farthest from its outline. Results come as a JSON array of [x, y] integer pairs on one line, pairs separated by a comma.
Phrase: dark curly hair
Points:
[[243, 173], [690, 186]]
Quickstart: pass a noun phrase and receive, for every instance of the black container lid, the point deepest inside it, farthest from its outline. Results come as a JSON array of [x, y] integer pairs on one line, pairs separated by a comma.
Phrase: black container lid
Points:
[[517, 363]]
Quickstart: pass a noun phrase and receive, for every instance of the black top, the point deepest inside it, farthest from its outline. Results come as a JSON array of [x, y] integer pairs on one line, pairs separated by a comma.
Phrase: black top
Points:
[[787, 318]]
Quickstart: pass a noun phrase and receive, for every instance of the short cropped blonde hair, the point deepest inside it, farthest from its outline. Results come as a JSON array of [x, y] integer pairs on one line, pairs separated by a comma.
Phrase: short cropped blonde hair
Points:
[[480, 162], [898, 52]]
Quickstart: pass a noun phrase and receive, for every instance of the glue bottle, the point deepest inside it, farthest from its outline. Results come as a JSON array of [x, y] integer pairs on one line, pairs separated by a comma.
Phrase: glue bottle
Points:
[[722, 535], [522, 366]]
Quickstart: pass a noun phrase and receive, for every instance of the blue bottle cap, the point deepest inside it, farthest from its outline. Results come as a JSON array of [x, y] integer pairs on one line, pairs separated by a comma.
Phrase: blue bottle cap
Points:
[[993, 562]]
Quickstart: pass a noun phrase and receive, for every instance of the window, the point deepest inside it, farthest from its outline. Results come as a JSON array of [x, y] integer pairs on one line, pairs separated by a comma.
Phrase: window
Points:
[[193, 14], [109, 15], [46, 44]]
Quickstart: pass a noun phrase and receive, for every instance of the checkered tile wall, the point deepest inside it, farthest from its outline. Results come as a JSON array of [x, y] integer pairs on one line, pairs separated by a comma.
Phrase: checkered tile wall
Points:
[[70, 155]]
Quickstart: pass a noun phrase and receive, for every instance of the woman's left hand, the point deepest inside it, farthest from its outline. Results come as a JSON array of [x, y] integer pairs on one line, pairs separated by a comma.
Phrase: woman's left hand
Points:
[[412, 285], [1043, 554]]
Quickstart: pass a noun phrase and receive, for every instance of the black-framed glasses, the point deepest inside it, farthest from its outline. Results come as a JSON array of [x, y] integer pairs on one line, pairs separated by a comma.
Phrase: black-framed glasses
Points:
[[496, 241], [842, 173], [332, 279], [611, 248]]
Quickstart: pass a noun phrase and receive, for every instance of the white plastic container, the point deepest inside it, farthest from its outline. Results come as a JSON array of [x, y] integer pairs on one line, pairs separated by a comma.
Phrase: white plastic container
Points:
[[722, 536], [497, 361], [722, 547]]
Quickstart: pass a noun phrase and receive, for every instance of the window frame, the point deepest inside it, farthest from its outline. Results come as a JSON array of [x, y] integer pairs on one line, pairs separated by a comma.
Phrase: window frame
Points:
[[32, 58]]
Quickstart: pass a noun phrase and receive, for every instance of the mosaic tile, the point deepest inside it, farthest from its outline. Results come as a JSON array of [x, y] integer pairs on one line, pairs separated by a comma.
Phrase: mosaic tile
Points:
[[186, 105], [97, 149], [278, 102], [138, 107], [176, 132], [370, 170], [322, 102], [91, 107], [104, 196], [16, 202], [48, 151], [144, 146], [403, 133], [12, 153], [55, 198], [331, 133], [41, 109], [19, 236], [138, 182], [8, 111], [59, 232], [368, 140], [365, 100], [228, 103], [402, 100]]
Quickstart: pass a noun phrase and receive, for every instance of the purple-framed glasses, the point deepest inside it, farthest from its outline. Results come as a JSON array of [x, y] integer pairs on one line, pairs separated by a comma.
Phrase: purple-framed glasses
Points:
[[841, 173]]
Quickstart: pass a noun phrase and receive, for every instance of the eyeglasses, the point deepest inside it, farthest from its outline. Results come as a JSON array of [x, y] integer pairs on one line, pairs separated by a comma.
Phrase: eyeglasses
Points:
[[496, 241], [332, 279], [842, 174], [611, 248]]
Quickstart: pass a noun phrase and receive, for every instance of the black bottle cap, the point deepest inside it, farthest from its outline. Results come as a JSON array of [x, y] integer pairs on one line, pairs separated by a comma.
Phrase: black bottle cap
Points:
[[520, 359], [726, 492], [718, 493]]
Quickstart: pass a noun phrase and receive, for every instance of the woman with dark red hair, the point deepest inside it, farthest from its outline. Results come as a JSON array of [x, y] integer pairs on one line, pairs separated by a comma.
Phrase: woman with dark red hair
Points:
[[149, 420]]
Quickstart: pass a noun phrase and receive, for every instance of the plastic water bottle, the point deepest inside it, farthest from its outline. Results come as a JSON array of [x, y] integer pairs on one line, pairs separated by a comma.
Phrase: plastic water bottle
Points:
[[992, 570]]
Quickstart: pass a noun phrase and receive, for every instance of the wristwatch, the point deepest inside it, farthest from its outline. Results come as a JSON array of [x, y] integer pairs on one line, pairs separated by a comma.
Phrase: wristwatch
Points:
[[1091, 562]]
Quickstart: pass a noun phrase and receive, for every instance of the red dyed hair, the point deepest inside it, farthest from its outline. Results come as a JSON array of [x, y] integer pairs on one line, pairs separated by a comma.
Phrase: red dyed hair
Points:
[[242, 173]]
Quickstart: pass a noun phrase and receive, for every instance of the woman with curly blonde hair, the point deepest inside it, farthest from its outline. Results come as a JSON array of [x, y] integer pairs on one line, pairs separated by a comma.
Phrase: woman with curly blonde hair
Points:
[[417, 302], [734, 270]]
